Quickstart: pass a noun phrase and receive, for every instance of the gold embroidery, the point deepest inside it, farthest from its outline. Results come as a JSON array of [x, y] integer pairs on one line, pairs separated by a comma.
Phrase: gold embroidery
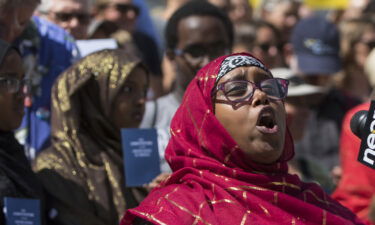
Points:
[[205, 78], [226, 179], [150, 217], [243, 221], [226, 160], [113, 76], [286, 184], [234, 173], [187, 211], [242, 188], [324, 217], [117, 195], [62, 94], [317, 198], [265, 210], [213, 192], [275, 197], [221, 201], [202, 123], [173, 191], [201, 141], [172, 132]]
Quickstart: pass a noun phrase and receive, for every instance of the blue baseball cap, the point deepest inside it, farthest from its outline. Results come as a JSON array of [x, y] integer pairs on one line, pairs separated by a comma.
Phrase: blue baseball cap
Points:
[[316, 43]]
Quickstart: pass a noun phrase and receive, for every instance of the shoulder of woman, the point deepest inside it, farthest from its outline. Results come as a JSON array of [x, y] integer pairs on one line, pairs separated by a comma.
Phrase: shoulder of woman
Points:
[[51, 164]]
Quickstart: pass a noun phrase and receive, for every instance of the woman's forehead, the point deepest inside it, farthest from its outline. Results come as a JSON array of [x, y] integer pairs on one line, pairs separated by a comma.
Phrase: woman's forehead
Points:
[[246, 73]]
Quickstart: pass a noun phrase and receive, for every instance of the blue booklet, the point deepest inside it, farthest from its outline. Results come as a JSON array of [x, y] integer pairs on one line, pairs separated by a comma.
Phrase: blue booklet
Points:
[[141, 156], [22, 211]]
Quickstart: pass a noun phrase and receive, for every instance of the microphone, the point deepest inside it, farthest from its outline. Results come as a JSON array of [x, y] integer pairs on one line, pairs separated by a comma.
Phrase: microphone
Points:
[[362, 125], [358, 122]]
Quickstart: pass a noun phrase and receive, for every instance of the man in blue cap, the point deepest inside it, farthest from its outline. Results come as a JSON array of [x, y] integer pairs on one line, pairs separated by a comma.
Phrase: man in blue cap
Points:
[[316, 45]]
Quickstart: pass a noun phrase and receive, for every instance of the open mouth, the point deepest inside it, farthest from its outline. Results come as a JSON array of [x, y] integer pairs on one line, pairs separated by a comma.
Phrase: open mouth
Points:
[[267, 122]]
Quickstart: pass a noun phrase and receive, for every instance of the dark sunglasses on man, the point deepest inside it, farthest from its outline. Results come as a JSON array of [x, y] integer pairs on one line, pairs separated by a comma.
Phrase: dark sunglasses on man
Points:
[[83, 18]]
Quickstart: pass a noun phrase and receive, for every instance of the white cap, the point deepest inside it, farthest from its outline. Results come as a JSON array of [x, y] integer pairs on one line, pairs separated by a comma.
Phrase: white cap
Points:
[[297, 86]]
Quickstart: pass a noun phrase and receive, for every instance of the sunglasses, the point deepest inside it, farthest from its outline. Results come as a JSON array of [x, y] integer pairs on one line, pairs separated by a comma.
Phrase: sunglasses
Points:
[[240, 92], [266, 46], [197, 53], [83, 18]]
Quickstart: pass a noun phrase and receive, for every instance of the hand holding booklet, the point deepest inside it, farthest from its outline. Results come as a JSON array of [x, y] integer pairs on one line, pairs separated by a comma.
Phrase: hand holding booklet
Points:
[[141, 156]]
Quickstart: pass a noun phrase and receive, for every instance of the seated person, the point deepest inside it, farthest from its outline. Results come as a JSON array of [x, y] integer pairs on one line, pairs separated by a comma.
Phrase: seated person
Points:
[[16, 177], [229, 151], [83, 169]]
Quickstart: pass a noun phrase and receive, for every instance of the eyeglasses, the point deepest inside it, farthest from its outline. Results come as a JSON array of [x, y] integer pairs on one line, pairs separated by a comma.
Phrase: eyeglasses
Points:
[[196, 54], [240, 92], [12, 85], [83, 18]]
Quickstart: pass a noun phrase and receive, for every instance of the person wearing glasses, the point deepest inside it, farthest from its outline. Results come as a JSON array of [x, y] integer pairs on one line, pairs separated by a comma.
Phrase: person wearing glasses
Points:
[[72, 15], [262, 39], [229, 150], [196, 33], [16, 177]]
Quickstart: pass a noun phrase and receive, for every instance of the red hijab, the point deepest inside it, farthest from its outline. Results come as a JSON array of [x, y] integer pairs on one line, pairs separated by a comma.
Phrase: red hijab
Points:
[[212, 182]]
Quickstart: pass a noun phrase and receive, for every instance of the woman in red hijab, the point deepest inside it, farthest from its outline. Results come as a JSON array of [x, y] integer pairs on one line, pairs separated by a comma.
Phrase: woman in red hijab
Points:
[[229, 151]]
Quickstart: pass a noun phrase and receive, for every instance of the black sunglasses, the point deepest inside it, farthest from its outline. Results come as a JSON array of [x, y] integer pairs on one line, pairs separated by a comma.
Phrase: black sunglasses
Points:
[[65, 17], [266, 46], [240, 92]]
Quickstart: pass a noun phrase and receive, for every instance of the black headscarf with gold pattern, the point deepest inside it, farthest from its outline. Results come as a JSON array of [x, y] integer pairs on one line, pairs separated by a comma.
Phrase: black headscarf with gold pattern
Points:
[[83, 170]]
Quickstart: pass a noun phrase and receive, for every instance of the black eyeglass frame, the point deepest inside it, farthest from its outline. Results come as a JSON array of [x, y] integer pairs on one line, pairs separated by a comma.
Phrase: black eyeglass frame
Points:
[[18, 83], [255, 85]]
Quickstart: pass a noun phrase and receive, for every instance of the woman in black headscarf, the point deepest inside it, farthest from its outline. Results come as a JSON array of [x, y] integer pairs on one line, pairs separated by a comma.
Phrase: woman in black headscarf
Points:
[[16, 177]]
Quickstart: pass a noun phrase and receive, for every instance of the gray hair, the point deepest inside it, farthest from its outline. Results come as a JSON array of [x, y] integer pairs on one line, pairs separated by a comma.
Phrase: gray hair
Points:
[[46, 5], [269, 5]]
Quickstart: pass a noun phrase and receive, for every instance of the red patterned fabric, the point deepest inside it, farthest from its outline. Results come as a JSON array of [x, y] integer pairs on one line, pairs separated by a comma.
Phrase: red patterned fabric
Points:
[[357, 185], [213, 184]]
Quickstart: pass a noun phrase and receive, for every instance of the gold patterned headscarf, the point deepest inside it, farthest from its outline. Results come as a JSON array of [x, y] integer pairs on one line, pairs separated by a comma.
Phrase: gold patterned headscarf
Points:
[[85, 156]]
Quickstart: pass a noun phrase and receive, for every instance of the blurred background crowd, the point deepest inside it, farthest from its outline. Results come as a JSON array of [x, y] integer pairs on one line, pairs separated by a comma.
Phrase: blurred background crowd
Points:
[[69, 125]]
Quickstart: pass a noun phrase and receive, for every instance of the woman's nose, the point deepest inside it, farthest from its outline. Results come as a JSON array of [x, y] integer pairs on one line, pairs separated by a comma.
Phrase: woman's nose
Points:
[[141, 99], [259, 98]]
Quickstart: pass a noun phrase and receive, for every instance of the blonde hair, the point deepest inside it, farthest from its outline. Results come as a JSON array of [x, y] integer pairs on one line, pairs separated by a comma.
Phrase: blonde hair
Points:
[[351, 32], [370, 68]]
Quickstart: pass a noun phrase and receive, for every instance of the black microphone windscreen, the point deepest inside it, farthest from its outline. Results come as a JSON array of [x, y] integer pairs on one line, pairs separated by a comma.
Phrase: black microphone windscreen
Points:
[[358, 122]]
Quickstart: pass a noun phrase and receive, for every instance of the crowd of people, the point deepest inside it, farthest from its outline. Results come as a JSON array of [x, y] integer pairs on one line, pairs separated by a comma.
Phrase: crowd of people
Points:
[[252, 106]]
